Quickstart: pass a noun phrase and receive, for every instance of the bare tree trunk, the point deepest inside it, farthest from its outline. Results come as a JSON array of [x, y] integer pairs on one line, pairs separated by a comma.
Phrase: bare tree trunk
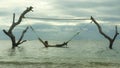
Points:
[[111, 40], [10, 34], [110, 45]]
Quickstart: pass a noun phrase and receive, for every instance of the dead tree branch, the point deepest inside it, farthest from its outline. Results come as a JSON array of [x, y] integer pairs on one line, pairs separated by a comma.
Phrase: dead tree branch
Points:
[[111, 40], [21, 37], [14, 24]]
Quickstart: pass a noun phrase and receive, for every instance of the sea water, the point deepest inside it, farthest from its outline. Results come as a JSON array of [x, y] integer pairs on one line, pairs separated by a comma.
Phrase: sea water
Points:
[[78, 54]]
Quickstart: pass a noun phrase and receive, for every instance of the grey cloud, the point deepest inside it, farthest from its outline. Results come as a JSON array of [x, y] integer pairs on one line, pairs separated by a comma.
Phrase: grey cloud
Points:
[[111, 19], [107, 10], [75, 8], [3, 13]]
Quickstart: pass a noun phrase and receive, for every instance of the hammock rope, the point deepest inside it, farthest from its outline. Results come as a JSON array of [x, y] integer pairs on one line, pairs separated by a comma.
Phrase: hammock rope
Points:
[[36, 18], [36, 34], [41, 18], [73, 37], [43, 41]]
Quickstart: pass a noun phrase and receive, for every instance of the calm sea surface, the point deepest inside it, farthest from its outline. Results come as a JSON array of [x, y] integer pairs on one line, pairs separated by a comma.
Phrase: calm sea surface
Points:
[[79, 53]]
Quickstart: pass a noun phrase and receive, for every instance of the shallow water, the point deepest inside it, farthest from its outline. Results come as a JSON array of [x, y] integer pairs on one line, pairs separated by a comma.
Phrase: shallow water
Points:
[[79, 53]]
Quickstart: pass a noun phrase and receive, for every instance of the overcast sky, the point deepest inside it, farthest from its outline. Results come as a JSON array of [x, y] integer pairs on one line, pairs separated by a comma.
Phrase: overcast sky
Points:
[[106, 12]]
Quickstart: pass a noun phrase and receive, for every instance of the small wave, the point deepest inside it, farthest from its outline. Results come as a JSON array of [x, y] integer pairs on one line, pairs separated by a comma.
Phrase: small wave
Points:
[[23, 62], [104, 64], [14, 64]]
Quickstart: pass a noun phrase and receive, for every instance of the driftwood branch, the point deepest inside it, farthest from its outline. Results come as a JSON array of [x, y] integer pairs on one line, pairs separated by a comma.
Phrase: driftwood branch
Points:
[[20, 18], [14, 24], [99, 28], [13, 18], [111, 40], [116, 33], [22, 41], [21, 37], [23, 14]]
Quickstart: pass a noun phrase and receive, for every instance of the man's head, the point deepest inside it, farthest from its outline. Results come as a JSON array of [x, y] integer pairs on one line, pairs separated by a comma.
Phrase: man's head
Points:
[[46, 42]]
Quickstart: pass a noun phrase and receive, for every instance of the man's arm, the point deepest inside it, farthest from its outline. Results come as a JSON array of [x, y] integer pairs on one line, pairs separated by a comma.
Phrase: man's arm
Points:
[[43, 42]]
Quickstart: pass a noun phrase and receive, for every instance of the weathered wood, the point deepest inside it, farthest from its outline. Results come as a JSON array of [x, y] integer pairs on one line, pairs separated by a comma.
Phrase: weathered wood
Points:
[[22, 35], [10, 34], [111, 40]]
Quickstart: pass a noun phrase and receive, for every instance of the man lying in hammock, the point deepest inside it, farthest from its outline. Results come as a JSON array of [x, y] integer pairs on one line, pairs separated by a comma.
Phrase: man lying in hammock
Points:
[[57, 45]]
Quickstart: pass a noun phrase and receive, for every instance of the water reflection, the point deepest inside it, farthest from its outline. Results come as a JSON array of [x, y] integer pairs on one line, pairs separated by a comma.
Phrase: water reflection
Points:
[[11, 52], [17, 51]]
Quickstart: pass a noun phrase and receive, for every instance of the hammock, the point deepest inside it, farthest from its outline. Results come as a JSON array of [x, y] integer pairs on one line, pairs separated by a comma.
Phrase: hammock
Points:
[[57, 45]]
